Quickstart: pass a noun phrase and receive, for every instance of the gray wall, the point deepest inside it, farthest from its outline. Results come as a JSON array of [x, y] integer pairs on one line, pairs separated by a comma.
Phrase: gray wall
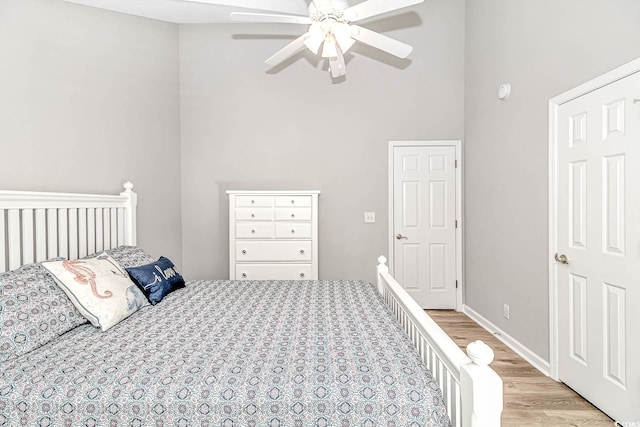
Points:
[[246, 128], [88, 100], [543, 48]]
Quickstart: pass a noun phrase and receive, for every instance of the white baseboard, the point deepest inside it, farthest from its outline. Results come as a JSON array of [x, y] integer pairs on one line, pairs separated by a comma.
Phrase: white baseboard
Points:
[[538, 362]]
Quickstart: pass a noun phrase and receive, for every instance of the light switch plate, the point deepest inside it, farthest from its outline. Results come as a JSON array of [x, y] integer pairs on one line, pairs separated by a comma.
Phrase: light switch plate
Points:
[[369, 217]]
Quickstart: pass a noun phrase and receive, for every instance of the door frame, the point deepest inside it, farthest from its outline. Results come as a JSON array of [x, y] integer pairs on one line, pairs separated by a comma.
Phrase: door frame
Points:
[[554, 103], [457, 144]]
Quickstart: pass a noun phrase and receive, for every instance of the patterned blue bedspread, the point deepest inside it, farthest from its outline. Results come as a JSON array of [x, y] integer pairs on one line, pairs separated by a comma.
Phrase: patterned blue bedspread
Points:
[[223, 353]]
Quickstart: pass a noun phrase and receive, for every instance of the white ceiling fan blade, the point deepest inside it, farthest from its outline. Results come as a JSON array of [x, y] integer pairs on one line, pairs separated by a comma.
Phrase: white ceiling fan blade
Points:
[[330, 47], [282, 6], [289, 50], [370, 8], [337, 65], [380, 41], [322, 4], [269, 18]]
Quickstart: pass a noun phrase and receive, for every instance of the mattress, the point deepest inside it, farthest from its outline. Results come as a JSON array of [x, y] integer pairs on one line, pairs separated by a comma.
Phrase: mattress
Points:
[[231, 353]]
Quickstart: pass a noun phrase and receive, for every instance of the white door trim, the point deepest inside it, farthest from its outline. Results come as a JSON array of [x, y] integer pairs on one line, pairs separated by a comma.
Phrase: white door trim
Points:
[[459, 231], [601, 81]]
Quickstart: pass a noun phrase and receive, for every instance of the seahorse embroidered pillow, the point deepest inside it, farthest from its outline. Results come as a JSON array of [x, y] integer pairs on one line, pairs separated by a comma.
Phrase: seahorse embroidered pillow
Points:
[[157, 279], [99, 288]]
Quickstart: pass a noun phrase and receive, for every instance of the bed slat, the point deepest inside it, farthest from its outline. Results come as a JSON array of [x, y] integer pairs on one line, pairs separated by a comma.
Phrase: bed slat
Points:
[[63, 233], [106, 224], [73, 234], [91, 230], [114, 228], [457, 414], [3, 239], [27, 236], [99, 231], [41, 235], [82, 232], [446, 392], [52, 233], [15, 248], [120, 227]]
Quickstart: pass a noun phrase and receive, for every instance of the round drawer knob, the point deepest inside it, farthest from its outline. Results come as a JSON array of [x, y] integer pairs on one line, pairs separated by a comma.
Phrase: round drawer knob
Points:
[[301, 274], [253, 231], [302, 251], [244, 274], [253, 201], [293, 231], [293, 215], [253, 215], [244, 252], [293, 201]]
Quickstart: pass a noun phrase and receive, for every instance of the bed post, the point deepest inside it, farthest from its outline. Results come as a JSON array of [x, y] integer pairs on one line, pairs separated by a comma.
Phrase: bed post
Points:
[[382, 268], [481, 388], [130, 214]]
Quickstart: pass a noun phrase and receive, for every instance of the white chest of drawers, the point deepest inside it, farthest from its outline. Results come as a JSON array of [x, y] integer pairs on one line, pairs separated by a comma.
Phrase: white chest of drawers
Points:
[[273, 235]]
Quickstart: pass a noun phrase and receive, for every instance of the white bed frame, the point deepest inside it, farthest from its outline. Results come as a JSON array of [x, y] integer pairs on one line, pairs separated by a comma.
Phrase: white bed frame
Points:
[[471, 389], [35, 226], [38, 226]]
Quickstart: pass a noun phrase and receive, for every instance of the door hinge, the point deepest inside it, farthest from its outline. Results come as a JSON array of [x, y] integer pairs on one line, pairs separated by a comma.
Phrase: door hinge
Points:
[[456, 284], [456, 163], [456, 223]]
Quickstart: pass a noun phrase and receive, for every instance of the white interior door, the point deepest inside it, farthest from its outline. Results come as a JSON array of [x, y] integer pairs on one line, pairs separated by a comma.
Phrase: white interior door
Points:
[[598, 240], [424, 223]]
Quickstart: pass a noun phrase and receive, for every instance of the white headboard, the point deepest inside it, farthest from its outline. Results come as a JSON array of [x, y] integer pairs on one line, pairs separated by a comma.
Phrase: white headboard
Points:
[[38, 226]]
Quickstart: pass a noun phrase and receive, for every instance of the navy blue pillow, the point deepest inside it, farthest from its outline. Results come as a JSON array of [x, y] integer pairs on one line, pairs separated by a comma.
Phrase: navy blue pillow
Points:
[[157, 279]]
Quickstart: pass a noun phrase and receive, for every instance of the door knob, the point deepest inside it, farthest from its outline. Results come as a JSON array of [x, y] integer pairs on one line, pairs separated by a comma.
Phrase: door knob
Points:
[[400, 237], [562, 259]]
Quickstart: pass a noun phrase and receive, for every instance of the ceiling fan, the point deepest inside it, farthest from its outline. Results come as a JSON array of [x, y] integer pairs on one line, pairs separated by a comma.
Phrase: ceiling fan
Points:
[[331, 27]]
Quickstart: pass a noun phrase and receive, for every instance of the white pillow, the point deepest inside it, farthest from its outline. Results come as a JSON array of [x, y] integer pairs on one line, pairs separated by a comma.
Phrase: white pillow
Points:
[[99, 288]]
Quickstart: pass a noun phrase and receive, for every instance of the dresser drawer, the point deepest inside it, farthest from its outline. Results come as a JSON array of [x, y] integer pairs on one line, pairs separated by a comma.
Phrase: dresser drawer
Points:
[[263, 201], [292, 201], [293, 214], [254, 214], [293, 230], [273, 250], [255, 230], [273, 271]]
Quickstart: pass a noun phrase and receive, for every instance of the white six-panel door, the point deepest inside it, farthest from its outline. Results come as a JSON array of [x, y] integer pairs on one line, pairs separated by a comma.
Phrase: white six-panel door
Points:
[[424, 223], [597, 269]]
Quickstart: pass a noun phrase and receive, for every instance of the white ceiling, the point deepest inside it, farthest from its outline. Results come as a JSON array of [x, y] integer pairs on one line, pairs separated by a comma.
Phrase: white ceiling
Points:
[[192, 11]]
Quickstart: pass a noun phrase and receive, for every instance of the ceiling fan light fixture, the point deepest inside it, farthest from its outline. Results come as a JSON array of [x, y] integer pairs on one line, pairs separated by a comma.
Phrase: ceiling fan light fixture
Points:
[[312, 45], [329, 49], [342, 34], [316, 36]]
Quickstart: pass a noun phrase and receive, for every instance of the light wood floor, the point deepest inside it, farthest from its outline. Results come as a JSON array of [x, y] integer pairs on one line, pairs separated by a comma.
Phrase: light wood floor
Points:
[[530, 398]]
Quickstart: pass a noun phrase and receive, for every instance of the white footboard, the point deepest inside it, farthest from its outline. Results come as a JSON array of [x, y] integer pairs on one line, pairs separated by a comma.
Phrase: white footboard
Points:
[[472, 390]]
